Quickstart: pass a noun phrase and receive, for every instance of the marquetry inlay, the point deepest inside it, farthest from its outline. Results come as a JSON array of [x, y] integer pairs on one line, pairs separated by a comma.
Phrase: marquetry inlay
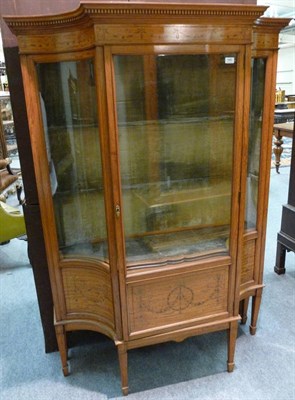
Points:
[[113, 34]]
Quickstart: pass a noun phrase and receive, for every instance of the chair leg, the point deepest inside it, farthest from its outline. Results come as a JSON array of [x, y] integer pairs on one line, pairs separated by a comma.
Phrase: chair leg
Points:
[[280, 259], [18, 193]]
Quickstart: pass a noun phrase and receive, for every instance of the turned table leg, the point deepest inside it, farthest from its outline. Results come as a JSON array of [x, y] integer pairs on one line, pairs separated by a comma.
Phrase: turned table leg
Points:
[[278, 149]]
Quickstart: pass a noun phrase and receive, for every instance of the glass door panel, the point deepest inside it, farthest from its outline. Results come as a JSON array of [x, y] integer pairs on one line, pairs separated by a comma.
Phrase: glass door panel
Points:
[[69, 110], [176, 129], [255, 132]]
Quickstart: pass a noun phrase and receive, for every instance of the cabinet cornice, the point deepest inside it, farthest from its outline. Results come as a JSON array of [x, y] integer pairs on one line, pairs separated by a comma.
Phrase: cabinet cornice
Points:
[[90, 13]]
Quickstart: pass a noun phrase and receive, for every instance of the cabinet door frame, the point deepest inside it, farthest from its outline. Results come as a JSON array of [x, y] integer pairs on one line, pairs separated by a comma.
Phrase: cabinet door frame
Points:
[[55, 260], [239, 137], [258, 233]]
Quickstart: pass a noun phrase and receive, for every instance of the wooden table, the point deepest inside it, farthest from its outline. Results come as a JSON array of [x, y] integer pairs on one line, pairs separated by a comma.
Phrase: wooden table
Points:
[[287, 104], [280, 130], [284, 115]]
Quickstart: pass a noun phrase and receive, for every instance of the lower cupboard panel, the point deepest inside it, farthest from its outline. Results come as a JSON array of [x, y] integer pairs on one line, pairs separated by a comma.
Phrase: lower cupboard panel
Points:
[[248, 261], [177, 299], [88, 293]]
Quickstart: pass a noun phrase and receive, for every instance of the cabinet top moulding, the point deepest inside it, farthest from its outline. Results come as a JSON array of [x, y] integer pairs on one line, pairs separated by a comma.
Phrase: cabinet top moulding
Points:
[[99, 23], [125, 12], [265, 32]]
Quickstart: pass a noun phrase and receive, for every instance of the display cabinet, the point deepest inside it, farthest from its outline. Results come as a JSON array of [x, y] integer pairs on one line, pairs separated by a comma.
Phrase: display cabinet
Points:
[[139, 117]]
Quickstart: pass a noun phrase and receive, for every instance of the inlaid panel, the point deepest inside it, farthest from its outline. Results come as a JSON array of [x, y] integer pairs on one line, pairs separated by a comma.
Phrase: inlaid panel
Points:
[[88, 291], [178, 298], [113, 34], [67, 41], [247, 273]]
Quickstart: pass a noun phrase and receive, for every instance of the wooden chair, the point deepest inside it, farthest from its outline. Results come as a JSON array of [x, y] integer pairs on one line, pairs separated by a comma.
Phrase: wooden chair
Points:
[[8, 180], [12, 223]]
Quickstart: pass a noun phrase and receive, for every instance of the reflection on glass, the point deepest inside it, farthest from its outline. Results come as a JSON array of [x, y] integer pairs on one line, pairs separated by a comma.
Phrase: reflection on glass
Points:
[[256, 112], [175, 122], [68, 103]]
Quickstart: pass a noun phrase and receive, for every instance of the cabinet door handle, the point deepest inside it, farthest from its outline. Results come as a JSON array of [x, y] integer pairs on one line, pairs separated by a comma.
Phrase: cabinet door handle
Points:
[[118, 211]]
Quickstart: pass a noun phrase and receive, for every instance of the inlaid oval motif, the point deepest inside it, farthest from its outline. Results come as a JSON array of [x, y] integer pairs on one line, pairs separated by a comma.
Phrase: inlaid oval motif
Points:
[[180, 298]]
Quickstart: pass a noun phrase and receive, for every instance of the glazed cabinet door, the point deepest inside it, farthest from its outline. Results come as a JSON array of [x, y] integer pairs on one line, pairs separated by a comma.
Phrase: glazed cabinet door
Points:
[[258, 69], [178, 125], [69, 112], [67, 148], [254, 169], [257, 181]]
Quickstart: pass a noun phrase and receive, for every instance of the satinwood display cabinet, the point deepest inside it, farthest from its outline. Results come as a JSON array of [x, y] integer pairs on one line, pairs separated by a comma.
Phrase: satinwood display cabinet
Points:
[[151, 154]]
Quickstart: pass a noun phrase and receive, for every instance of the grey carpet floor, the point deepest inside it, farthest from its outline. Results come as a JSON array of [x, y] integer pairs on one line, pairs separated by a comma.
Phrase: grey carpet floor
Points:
[[193, 369]]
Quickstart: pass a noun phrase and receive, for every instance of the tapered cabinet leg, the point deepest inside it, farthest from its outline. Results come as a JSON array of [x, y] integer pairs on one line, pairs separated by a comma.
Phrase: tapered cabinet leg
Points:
[[256, 301], [123, 362], [62, 347], [232, 337], [280, 259], [244, 309]]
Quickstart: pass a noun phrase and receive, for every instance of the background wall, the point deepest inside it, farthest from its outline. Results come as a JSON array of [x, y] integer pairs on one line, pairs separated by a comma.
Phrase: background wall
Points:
[[286, 66]]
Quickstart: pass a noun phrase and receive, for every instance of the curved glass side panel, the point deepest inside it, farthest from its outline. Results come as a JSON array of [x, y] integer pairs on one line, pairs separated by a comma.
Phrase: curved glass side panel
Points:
[[255, 132], [176, 130], [69, 110]]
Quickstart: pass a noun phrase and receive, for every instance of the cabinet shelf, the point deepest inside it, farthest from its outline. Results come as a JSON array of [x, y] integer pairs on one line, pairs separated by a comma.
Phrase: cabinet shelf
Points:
[[177, 247]]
